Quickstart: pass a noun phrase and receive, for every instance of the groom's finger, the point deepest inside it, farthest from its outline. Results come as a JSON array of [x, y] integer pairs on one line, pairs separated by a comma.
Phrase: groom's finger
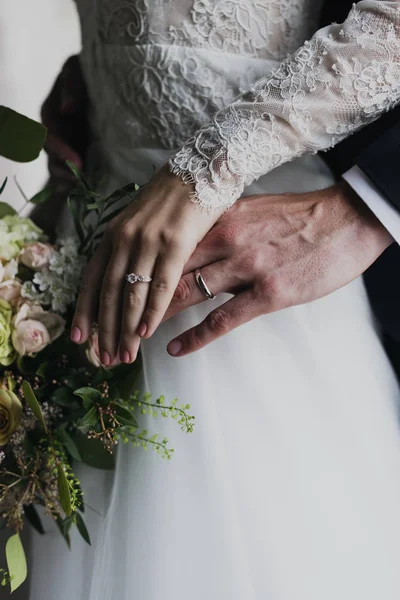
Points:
[[238, 310], [218, 278]]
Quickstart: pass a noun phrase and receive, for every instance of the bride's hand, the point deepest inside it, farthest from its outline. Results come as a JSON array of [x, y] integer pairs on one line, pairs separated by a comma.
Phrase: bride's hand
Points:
[[153, 236]]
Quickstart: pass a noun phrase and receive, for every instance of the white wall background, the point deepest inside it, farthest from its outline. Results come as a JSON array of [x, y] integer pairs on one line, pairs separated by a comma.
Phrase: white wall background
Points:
[[36, 36]]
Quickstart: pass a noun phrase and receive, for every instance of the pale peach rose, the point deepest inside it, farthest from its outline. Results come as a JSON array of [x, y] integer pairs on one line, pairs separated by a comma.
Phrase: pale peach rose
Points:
[[34, 329], [10, 290], [36, 255], [92, 351]]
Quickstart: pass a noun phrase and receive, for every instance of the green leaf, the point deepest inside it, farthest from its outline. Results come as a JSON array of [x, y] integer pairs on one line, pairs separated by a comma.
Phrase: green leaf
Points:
[[32, 516], [78, 174], [89, 420], [6, 209], [42, 370], [69, 443], [62, 396], [125, 417], [80, 523], [42, 196], [60, 525], [16, 561], [21, 138], [2, 188], [89, 396], [63, 491], [33, 403], [93, 452]]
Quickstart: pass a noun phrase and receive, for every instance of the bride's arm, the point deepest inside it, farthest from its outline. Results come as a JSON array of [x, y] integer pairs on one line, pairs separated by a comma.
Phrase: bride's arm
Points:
[[341, 80]]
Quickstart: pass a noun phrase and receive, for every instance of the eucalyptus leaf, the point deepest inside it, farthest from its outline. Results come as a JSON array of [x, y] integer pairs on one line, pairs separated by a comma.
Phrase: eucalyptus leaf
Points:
[[2, 188], [125, 417], [43, 196], [33, 403], [16, 561], [93, 452], [33, 517], [21, 138], [63, 490], [6, 209], [80, 523], [89, 396]]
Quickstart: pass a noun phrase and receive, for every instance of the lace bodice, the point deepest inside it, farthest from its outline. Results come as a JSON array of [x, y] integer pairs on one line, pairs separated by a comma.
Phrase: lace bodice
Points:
[[212, 79]]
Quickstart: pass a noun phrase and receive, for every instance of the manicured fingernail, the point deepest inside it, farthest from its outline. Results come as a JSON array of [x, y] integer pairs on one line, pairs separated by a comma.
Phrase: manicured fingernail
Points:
[[142, 330], [76, 334], [125, 356], [105, 359], [175, 347]]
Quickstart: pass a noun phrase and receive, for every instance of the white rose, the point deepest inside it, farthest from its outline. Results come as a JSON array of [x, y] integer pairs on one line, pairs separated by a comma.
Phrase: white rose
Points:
[[36, 255], [35, 328]]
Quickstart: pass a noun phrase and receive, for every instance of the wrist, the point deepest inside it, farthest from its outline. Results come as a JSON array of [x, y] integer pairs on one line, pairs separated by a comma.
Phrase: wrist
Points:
[[369, 228]]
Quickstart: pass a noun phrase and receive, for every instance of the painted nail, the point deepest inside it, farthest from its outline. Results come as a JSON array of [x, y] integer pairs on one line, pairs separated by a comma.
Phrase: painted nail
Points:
[[125, 356], [105, 359], [175, 347], [76, 334], [142, 330]]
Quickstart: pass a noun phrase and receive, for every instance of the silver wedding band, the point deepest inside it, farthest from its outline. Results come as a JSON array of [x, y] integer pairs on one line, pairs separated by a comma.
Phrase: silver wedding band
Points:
[[134, 278], [203, 286]]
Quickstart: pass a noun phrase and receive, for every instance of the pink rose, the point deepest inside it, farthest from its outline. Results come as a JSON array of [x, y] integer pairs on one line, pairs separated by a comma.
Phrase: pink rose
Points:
[[34, 329], [36, 255], [92, 351], [11, 291]]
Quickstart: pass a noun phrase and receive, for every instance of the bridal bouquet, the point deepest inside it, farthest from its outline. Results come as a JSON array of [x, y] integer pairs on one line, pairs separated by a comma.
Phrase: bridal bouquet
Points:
[[57, 404]]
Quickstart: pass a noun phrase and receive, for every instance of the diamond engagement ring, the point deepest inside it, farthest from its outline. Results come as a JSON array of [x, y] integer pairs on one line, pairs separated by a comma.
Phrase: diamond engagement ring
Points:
[[203, 286], [133, 278]]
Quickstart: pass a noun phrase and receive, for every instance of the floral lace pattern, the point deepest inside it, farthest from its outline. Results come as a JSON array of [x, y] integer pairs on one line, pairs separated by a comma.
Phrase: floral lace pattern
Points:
[[342, 79], [158, 66]]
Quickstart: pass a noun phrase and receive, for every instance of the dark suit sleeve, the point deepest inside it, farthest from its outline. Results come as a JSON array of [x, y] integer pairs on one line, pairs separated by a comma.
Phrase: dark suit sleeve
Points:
[[376, 150]]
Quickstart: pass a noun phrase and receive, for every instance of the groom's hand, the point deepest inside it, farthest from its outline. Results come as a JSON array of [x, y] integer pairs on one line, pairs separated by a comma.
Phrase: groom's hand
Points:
[[273, 252]]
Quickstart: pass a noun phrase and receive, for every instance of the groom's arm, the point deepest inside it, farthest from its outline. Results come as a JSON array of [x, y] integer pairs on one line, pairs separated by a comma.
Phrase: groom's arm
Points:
[[368, 161]]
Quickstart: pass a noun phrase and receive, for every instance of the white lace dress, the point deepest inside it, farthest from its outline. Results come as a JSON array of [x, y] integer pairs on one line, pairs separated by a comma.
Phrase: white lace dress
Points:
[[289, 488]]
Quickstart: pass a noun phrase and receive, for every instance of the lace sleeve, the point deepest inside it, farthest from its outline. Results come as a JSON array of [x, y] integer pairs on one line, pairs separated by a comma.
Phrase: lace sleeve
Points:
[[342, 79]]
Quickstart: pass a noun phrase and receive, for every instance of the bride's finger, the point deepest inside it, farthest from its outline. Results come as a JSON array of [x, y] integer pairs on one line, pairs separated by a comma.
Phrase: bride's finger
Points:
[[168, 271], [238, 310], [88, 300], [111, 296], [219, 278], [134, 303]]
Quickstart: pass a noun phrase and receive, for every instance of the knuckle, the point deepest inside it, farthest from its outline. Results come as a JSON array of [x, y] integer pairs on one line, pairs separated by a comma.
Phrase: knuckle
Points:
[[132, 298], [108, 293], [252, 262], [123, 234], [229, 235], [182, 293], [218, 321], [159, 285], [275, 288]]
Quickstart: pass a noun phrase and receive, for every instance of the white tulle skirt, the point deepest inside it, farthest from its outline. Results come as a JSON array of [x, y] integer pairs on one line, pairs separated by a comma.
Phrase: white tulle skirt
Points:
[[289, 487]]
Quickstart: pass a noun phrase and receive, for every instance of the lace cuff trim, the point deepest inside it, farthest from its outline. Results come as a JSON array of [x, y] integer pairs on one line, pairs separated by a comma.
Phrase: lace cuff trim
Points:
[[342, 79]]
